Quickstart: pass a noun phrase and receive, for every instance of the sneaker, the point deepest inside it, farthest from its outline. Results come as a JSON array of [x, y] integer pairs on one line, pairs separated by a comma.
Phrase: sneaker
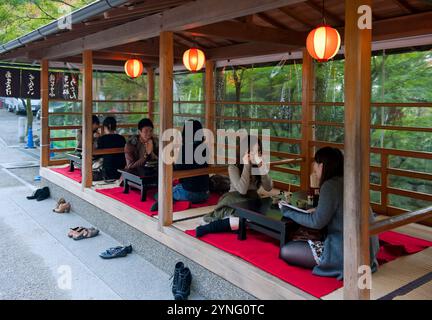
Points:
[[116, 252], [35, 194], [177, 270], [184, 283], [44, 194]]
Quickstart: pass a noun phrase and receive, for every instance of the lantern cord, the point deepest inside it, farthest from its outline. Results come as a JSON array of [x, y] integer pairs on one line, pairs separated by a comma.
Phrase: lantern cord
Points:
[[323, 13]]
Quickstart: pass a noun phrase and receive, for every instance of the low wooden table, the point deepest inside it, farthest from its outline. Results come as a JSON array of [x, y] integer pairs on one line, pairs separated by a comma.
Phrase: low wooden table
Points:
[[140, 178], [75, 157], [261, 216]]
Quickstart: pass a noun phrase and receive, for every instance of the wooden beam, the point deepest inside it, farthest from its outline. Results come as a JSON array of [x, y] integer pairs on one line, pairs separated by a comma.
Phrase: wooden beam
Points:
[[190, 15], [166, 64], [400, 220], [265, 17], [327, 14], [210, 109], [190, 42], [246, 50], [297, 18], [45, 133], [150, 92], [145, 49], [404, 6], [401, 27], [95, 61], [308, 115], [143, 8], [250, 32], [87, 112], [357, 150]]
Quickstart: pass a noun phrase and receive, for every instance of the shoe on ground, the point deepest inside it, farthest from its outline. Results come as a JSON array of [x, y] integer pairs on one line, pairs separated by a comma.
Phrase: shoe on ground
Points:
[[177, 270], [59, 202], [44, 194], [184, 283], [85, 233], [35, 194], [63, 207], [116, 252]]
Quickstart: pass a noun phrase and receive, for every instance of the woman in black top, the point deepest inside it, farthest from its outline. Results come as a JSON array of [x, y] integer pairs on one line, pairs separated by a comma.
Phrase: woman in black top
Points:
[[193, 189], [111, 162]]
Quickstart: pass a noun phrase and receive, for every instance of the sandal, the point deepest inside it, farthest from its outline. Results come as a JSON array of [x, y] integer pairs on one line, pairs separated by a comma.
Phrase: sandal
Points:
[[86, 233], [74, 231]]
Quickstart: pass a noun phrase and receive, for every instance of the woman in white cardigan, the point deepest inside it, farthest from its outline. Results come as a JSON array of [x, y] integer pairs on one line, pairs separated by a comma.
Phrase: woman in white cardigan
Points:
[[246, 177]]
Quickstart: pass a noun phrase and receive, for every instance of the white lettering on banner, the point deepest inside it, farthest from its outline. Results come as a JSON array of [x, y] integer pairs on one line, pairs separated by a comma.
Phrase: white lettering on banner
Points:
[[8, 76], [31, 85], [52, 80]]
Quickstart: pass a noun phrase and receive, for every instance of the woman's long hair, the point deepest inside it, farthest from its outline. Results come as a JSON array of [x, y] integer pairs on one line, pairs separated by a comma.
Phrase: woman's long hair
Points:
[[333, 163], [196, 126], [251, 141]]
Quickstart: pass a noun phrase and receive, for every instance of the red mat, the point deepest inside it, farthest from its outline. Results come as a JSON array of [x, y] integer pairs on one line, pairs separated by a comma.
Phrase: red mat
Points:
[[74, 175], [132, 199], [263, 252]]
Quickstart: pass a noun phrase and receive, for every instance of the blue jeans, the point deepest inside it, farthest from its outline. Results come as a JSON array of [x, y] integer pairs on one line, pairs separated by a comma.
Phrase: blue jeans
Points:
[[179, 193]]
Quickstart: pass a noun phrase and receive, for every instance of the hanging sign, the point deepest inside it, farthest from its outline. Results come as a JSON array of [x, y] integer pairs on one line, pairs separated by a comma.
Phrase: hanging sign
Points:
[[30, 84], [63, 85], [23, 83], [10, 83]]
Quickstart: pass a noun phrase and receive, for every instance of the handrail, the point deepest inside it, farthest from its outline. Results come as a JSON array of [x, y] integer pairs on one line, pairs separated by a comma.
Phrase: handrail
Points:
[[178, 174], [263, 103], [98, 152], [400, 220]]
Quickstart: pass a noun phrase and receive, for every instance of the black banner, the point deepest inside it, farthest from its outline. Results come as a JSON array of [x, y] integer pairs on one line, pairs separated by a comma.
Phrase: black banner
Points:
[[17, 83], [63, 85], [30, 84], [10, 83]]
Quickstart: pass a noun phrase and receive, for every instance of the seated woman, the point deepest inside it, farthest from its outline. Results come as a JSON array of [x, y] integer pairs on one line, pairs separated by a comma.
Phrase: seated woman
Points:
[[111, 162], [96, 134], [142, 147], [324, 257], [193, 189], [244, 185]]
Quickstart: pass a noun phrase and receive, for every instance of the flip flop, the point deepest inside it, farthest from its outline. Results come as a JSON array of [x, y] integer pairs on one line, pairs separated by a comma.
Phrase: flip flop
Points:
[[74, 231], [86, 233]]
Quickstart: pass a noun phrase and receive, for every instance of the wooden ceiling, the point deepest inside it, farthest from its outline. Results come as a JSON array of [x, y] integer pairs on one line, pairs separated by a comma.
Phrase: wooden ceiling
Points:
[[274, 31]]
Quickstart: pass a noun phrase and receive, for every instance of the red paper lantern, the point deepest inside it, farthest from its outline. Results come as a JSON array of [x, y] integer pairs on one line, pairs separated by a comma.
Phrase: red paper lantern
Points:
[[193, 59], [323, 43], [133, 68]]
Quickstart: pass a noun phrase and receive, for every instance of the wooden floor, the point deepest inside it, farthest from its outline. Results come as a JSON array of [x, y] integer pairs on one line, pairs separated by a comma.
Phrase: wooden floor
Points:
[[389, 277]]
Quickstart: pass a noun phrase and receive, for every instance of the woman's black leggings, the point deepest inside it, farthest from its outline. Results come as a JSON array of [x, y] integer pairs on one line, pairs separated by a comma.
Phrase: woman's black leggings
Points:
[[298, 253]]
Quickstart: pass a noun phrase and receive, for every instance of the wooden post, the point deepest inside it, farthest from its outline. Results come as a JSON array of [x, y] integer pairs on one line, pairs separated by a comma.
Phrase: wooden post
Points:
[[45, 133], [210, 110], [308, 114], [166, 62], [384, 182], [150, 92], [357, 150], [87, 112]]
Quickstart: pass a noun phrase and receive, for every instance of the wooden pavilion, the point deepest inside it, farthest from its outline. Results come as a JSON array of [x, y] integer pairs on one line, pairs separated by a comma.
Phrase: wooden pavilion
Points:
[[242, 31]]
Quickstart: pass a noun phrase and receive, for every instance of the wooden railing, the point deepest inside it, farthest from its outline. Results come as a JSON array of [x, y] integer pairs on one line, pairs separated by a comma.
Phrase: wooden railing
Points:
[[383, 169], [51, 128], [400, 220]]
